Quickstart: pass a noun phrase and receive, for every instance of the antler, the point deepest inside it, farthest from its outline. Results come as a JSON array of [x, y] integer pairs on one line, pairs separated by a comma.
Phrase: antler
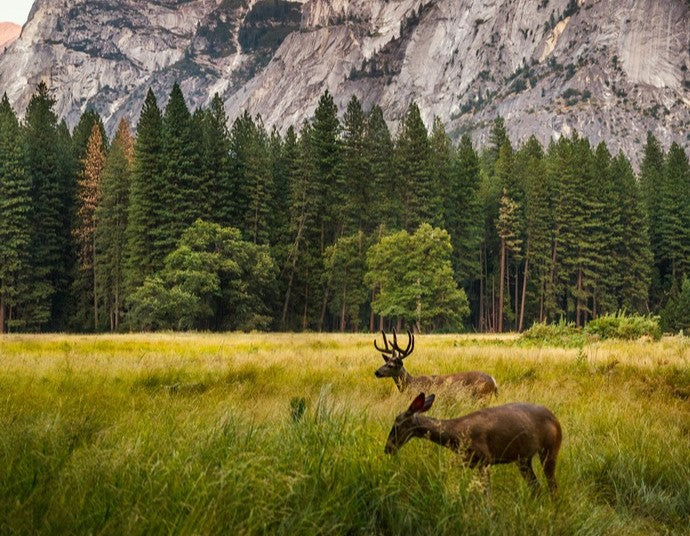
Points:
[[410, 345], [389, 351]]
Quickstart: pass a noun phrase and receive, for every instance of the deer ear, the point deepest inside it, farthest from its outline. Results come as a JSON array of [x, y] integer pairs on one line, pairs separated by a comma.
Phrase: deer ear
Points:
[[428, 403], [417, 404]]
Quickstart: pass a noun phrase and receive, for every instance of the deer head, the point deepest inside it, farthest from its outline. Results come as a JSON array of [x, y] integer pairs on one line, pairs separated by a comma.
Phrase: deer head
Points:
[[405, 425], [393, 356]]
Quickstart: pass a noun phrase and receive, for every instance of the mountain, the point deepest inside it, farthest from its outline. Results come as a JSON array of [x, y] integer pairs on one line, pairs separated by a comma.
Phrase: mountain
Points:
[[9, 32], [610, 70]]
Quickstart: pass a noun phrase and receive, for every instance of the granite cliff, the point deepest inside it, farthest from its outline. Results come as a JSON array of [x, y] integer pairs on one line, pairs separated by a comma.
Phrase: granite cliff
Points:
[[611, 70]]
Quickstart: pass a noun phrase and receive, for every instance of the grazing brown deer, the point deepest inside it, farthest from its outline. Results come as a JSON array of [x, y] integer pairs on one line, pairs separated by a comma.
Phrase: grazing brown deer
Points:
[[502, 434], [479, 383]]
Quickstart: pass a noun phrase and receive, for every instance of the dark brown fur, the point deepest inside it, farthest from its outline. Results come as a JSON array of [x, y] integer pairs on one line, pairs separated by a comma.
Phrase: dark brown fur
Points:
[[512, 433]]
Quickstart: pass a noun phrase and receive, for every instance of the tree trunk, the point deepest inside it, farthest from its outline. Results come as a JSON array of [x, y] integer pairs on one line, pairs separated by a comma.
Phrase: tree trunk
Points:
[[578, 306], [524, 293], [481, 291], [501, 285], [492, 328], [342, 311], [2, 314], [372, 316], [515, 323], [95, 293]]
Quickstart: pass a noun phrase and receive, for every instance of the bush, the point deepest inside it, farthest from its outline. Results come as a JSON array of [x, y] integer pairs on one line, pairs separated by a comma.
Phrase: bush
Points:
[[561, 334], [622, 326], [675, 316]]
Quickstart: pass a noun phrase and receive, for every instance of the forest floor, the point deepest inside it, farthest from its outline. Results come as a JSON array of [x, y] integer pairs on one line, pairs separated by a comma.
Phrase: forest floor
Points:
[[201, 434]]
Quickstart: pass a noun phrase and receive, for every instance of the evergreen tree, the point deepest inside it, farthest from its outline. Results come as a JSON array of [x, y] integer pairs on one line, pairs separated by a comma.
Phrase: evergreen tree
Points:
[[241, 139], [674, 222], [635, 263], [216, 164], [145, 253], [357, 213], [259, 180], [345, 268], [651, 184], [183, 196], [385, 193], [441, 165], [44, 167], [538, 224], [463, 212], [89, 196], [421, 196], [15, 207], [82, 132], [111, 224]]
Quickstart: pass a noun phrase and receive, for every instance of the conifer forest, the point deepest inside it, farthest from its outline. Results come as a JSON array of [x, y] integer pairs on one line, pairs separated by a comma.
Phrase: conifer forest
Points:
[[187, 221]]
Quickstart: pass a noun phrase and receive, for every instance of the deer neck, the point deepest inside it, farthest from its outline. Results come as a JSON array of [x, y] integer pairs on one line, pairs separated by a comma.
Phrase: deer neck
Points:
[[436, 430], [403, 380]]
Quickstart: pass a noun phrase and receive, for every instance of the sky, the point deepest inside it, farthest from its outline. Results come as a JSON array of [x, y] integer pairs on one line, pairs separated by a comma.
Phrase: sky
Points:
[[15, 10]]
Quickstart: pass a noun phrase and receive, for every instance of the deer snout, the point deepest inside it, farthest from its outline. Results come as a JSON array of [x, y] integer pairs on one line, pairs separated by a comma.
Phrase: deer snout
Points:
[[390, 449], [378, 374]]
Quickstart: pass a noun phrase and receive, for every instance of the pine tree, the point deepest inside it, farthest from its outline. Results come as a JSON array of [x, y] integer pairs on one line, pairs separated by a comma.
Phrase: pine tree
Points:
[[328, 190], [44, 167], [241, 135], [259, 180], [635, 256], [182, 195], [651, 182], [385, 193], [421, 196], [441, 165], [111, 224], [89, 197], [145, 253], [538, 224], [82, 132], [357, 212], [674, 222], [216, 164], [463, 212], [345, 267], [15, 207]]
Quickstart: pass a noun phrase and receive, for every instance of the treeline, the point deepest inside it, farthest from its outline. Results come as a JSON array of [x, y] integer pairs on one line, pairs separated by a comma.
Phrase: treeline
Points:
[[338, 225]]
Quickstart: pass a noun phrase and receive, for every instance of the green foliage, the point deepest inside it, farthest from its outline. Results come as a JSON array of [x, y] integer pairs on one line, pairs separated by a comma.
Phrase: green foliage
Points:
[[416, 178], [144, 253], [213, 279], [413, 279], [111, 225], [15, 207], [560, 334], [47, 155], [675, 316], [345, 269], [623, 326]]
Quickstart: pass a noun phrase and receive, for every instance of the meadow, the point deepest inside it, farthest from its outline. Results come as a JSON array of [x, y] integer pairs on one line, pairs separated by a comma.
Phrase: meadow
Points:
[[284, 434]]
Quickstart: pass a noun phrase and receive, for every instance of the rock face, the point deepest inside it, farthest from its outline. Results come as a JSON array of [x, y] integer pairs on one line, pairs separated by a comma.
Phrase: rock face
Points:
[[9, 32], [610, 70]]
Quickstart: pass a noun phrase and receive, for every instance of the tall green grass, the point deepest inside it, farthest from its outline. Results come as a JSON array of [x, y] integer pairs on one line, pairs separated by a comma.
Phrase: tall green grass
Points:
[[198, 434]]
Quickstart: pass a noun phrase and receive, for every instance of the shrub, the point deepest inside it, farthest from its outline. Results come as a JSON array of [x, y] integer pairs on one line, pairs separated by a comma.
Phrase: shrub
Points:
[[675, 316], [561, 334], [622, 326]]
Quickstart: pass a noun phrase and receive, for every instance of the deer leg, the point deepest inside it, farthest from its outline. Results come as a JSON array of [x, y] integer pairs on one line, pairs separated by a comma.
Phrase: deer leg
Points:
[[525, 465], [548, 462]]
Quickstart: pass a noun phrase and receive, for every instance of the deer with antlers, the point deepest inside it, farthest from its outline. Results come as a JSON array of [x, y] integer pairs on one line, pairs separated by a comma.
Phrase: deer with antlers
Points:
[[478, 383]]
